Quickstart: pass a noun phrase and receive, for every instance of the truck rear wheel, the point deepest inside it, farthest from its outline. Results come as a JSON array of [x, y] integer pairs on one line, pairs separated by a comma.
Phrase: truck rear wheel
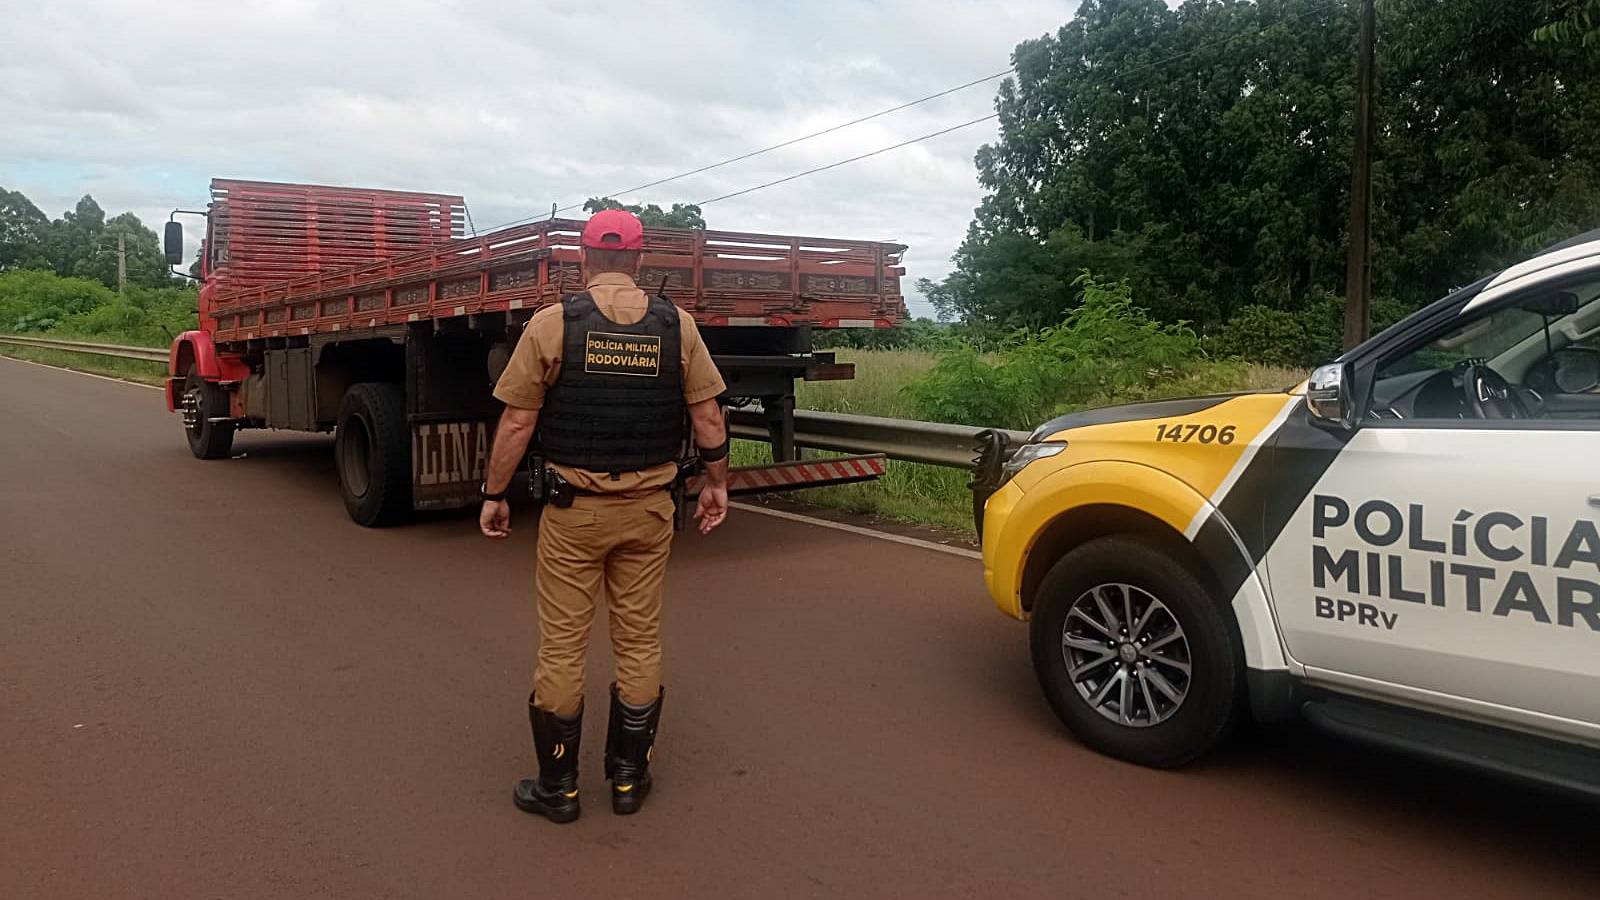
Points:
[[373, 449], [202, 402], [1135, 655]]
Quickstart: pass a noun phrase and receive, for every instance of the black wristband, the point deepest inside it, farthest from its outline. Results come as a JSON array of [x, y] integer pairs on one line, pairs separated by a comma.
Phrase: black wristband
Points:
[[488, 497], [715, 454]]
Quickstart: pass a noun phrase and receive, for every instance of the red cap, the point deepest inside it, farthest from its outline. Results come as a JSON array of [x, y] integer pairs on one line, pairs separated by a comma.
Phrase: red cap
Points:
[[614, 229]]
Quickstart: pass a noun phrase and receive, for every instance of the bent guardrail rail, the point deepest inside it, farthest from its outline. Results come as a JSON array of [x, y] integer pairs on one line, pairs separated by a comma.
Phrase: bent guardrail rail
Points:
[[929, 443]]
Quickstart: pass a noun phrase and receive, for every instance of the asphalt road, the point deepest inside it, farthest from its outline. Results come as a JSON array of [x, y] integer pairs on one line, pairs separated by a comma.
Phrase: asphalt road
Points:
[[213, 685]]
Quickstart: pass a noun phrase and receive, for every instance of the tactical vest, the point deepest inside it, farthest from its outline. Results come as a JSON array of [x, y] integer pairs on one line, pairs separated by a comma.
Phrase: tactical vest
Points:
[[617, 404]]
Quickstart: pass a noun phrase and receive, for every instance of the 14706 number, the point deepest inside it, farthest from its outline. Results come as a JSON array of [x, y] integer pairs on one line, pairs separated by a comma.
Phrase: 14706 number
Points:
[[1180, 433]]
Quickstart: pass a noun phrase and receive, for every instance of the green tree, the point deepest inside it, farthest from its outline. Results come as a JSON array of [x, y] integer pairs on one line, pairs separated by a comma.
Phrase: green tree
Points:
[[147, 265], [1208, 183], [1202, 155], [681, 215], [1574, 21], [72, 241], [23, 229], [1487, 148]]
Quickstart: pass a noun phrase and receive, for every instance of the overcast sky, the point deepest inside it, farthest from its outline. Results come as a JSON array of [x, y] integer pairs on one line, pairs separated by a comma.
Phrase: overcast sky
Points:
[[515, 105]]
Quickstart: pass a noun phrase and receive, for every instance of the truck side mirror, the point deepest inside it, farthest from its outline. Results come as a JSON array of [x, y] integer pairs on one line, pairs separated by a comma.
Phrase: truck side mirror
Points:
[[1328, 399], [172, 243]]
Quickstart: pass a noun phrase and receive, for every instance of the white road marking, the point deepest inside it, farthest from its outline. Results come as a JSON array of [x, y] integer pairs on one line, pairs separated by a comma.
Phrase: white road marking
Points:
[[744, 507], [857, 529]]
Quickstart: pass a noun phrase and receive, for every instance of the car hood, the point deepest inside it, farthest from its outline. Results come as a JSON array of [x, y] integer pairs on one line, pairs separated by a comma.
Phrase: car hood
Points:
[[1134, 412]]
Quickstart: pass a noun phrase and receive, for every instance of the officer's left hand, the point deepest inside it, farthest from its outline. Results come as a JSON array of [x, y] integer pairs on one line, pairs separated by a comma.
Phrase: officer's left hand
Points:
[[495, 519]]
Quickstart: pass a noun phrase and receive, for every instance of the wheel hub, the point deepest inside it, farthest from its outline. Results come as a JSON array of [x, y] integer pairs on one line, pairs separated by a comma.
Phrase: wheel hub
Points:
[[191, 408], [1126, 655]]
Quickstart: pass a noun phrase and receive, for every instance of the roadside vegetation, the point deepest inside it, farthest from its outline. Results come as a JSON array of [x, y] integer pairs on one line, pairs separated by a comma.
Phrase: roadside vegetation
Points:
[[1107, 351]]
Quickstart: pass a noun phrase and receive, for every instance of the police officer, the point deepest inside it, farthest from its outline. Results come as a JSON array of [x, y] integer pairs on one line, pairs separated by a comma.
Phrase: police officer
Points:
[[607, 380]]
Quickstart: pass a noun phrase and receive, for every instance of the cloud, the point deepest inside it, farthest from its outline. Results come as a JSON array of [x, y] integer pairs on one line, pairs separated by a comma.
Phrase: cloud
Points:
[[515, 105]]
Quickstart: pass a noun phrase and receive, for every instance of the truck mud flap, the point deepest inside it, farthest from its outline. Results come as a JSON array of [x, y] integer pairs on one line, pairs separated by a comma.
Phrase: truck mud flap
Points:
[[448, 461]]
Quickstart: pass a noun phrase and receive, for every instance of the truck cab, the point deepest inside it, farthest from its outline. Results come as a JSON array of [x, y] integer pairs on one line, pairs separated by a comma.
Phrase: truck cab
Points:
[[1403, 548]]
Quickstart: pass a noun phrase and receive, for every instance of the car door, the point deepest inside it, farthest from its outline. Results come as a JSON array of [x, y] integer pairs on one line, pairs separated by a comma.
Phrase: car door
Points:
[[1448, 553]]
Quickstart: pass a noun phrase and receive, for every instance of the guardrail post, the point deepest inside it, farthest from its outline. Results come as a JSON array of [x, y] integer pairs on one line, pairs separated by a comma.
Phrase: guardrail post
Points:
[[779, 412]]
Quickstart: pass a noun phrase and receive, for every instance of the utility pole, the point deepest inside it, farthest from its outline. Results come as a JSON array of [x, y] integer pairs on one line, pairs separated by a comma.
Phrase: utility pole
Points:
[[1358, 272], [122, 263]]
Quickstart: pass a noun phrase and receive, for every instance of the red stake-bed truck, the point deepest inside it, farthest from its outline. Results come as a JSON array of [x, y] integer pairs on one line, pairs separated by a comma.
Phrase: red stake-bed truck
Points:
[[366, 313]]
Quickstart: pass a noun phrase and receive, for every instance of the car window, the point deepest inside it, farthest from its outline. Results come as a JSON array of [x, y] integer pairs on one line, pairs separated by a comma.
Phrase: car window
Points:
[[1483, 338], [1540, 354]]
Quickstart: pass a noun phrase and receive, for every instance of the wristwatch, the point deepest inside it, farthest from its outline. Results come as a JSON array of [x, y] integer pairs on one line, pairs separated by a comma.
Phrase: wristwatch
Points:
[[491, 496]]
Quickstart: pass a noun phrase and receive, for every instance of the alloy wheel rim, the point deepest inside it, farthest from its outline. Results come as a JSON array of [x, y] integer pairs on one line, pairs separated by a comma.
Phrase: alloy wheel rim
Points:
[[1127, 655]]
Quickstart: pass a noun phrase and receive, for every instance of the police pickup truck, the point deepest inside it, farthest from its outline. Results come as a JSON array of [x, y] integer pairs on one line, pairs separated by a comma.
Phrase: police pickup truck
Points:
[[1403, 549]]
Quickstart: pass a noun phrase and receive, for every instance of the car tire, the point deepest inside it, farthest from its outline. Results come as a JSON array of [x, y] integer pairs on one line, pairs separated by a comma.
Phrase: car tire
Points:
[[207, 439], [372, 446], [1181, 686]]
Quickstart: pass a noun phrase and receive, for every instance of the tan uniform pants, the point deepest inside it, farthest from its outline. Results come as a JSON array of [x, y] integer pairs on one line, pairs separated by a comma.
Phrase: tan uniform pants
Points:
[[612, 544]]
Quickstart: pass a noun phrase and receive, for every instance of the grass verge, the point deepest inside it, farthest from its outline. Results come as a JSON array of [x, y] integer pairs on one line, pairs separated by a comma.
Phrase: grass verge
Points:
[[128, 369]]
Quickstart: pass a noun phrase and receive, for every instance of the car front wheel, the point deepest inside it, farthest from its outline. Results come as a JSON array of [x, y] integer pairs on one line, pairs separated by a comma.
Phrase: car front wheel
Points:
[[1135, 655]]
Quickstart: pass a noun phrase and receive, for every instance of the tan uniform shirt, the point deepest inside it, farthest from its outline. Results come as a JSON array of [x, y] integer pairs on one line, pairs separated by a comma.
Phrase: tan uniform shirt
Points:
[[536, 363]]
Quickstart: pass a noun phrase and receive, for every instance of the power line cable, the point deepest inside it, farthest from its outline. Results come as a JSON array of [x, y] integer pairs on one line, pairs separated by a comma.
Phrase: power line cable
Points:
[[943, 131], [815, 134], [835, 165], [779, 146], [906, 143]]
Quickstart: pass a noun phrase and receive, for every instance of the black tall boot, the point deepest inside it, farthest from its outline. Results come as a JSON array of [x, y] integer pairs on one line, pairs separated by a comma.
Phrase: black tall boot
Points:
[[554, 794], [629, 741]]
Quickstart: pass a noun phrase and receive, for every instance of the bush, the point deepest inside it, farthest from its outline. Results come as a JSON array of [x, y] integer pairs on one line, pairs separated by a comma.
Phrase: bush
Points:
[[78, 307], [36, 301], [1106, 348], [1271, 336], [1310, 337]]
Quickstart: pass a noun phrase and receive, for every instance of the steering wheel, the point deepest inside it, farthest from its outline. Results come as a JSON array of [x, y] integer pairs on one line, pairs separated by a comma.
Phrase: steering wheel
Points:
[[1489, 395]]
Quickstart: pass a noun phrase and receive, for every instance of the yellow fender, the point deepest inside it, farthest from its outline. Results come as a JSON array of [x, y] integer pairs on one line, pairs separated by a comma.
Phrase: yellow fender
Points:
[[1018, 519]]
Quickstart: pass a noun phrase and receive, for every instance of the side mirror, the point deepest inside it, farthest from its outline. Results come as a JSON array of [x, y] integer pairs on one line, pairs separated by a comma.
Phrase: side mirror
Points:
[[1576, 370], [1328, 399], [172, 243]]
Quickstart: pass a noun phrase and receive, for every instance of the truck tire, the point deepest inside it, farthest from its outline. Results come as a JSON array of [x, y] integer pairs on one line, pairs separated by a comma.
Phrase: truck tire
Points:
[[1137, 657], [202, 402], [373, 449]]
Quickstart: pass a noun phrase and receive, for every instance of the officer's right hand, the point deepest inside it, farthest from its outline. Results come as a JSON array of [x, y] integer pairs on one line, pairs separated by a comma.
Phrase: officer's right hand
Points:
[[495, 519], [712, 507]]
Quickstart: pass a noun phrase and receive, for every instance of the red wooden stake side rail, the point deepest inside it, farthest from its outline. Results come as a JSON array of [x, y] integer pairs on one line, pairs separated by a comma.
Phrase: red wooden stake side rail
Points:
[[722, 278]]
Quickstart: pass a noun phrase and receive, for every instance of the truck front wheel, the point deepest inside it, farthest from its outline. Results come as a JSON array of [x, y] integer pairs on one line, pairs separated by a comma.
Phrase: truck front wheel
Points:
[[1134, 653], [202, 403], [373, 449]]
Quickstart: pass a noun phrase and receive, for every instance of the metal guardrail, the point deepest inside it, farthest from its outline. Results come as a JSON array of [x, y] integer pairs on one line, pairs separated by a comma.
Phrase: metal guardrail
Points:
[[930, 443], [148, 354]]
